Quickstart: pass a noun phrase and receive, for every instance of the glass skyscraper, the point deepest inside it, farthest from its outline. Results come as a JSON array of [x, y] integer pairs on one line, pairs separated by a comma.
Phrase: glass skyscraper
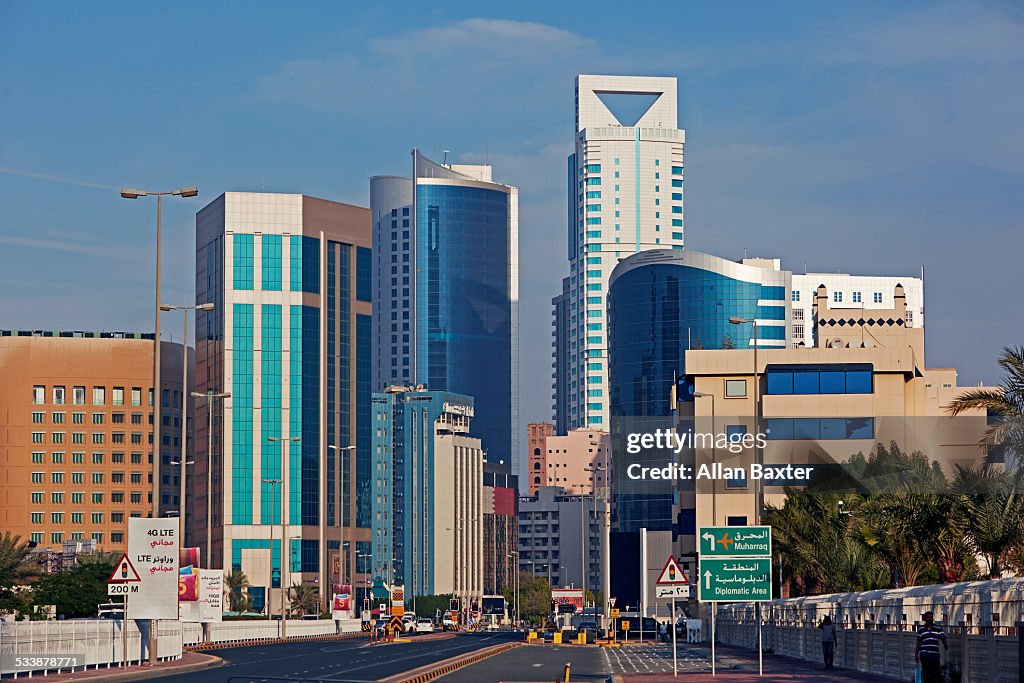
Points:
[[289, 338], [661, 303], [625, 187], [446, 291]]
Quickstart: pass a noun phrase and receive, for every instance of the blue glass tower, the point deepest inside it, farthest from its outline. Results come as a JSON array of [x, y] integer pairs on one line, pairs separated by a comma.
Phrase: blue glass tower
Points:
[[661, 303], [446, 283]]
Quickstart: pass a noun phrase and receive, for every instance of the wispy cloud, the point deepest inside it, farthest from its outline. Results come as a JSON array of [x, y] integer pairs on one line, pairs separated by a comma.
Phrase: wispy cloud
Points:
[[105, 250], [56, 178], [479, 68]]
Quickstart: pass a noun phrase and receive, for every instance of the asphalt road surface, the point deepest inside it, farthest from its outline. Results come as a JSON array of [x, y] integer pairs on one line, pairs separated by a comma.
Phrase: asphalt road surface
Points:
[[536, 663], [334, 662]]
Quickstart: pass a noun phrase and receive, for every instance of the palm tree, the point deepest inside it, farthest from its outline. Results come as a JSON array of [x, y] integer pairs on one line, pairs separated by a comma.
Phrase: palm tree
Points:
[[12, 553], [237, 584], [1005, 404], [303, 598], [994, 510]]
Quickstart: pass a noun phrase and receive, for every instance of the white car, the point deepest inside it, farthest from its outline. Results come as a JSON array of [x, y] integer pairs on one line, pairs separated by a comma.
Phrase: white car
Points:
[[424, 626]]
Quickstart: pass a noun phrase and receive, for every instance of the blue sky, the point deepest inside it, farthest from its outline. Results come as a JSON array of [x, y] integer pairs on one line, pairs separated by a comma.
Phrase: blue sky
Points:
[[872, 137]]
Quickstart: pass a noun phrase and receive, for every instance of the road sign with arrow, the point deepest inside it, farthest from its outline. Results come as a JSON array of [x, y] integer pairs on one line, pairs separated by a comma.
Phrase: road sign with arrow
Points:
[[732, 541]]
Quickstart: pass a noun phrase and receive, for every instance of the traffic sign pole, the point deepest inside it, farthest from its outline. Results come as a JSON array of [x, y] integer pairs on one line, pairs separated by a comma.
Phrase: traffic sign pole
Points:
[[714, 608], [675, 665]]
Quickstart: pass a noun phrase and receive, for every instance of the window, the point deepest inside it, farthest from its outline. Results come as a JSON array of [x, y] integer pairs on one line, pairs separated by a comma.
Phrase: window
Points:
[[37, 517], [78, 418], [58, 396], [117, 497], [38, 395], [735, 388], [117, 517], [57, 537], [56, 477], [839, 378], [97, 498], [117, 437], [38, 417], [99, 396], [37, 477], [137, 498], [736, 520], [878, 297], [117, 418], [814, 429], [78, 477], [136, 477], [78, 437], [78, 396], [77, 498], [57, 498], [97, 536], [796, 295], [856, 298], [97, 418], [837, 297], [677, 170], [57, 458], [38, 437], [37, 457], [97, 518], [117, 537], [76, 517], [56, 518], [97, 458], [78, 458], [243, 261], [97, 438], [58, 437], [97, 477]]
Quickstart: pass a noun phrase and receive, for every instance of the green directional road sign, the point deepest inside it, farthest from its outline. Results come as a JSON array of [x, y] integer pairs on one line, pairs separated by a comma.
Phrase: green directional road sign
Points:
[[735, 541], [735, 580]]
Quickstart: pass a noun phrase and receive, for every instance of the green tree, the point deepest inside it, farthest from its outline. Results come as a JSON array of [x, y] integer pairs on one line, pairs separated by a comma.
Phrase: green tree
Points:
[[78, 592], [428, 605], [303, 598], [237, 584], [1005, 405], [12, 560], [994, 512], [534, 597]]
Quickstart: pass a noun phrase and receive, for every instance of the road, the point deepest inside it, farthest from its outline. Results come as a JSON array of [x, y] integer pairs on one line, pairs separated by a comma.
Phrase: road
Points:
[[536, 663], [340, 661]]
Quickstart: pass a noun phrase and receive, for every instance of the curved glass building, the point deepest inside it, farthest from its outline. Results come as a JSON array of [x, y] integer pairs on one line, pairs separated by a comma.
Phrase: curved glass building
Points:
[[446, 279], [661, 303]]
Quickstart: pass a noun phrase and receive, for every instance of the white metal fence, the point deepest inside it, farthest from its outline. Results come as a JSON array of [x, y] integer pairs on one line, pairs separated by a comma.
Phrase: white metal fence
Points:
[[100, 640]]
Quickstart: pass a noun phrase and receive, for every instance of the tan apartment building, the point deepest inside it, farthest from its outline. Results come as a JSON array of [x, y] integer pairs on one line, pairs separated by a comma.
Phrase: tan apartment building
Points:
[[577, 462], [76, 434], [866, 384], [537, 459]]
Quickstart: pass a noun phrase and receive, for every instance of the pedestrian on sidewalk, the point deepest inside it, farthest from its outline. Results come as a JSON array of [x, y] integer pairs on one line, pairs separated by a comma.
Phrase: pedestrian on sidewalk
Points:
[[829, 640], [926, 653]]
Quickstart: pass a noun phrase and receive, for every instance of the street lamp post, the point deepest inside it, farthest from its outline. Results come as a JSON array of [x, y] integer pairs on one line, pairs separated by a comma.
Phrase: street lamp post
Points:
[[274, 483], [593, 469], [515, 554], [758, 485], [184, 407], [284, 519], [210, 397], [131, 193], [324, 555]]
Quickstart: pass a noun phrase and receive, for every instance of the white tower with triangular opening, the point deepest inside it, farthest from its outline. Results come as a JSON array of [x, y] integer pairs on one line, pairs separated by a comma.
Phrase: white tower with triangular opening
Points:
[[625, 195]]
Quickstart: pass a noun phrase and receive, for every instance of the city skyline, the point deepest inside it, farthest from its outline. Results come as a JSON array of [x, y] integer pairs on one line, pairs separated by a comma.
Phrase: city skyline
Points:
[[889, 183]]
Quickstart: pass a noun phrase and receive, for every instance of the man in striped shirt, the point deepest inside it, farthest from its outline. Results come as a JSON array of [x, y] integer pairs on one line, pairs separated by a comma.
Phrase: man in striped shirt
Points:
[[927, 651]]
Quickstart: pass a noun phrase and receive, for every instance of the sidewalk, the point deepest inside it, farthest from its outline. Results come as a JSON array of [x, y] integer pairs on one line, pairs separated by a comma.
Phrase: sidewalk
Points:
[[189, 662], [737, 664]]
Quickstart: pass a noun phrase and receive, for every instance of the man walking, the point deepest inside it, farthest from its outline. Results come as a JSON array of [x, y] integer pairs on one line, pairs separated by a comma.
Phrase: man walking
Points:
[[929, 635], [829, 640]]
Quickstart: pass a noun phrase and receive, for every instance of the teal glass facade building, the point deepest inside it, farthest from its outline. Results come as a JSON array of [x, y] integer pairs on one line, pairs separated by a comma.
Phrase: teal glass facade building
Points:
[[661, 303], [289, 339], [446, 283]]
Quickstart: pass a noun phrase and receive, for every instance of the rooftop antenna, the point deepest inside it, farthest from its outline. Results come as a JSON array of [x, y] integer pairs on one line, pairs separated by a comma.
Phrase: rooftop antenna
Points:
[[445, 162], [744, 252]]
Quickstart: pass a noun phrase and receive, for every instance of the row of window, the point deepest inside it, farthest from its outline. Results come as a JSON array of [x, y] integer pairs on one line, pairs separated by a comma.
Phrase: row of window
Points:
[[78, 517], [78, 497], [854, 378], [99, 394], [99, 438], [57, 537], [837, 297]]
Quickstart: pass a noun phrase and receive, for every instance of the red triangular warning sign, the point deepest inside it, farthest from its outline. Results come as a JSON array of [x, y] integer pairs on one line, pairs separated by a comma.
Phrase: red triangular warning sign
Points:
[[672, 574], [124, 572]]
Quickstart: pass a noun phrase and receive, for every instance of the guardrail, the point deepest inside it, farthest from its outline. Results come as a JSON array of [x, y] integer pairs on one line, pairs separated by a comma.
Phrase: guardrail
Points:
[[99, 641], [979, 657]]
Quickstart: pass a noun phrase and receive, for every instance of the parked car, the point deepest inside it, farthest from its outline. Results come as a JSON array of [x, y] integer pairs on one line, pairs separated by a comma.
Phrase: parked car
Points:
[[449, 624], [424, 626]]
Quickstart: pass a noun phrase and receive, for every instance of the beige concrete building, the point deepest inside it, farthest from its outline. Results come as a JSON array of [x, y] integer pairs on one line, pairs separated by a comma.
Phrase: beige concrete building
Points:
[[76, 447], [866, 384], [578, 461], [537, 467]]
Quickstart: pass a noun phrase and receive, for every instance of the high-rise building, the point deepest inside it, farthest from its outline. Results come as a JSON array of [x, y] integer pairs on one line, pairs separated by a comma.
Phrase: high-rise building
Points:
[[427, 504], [660, 304], [289, 338], [76, 435], [501, 527], [446, 291], [858, 296], [577, 462], [561, 537], [625, 196]]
